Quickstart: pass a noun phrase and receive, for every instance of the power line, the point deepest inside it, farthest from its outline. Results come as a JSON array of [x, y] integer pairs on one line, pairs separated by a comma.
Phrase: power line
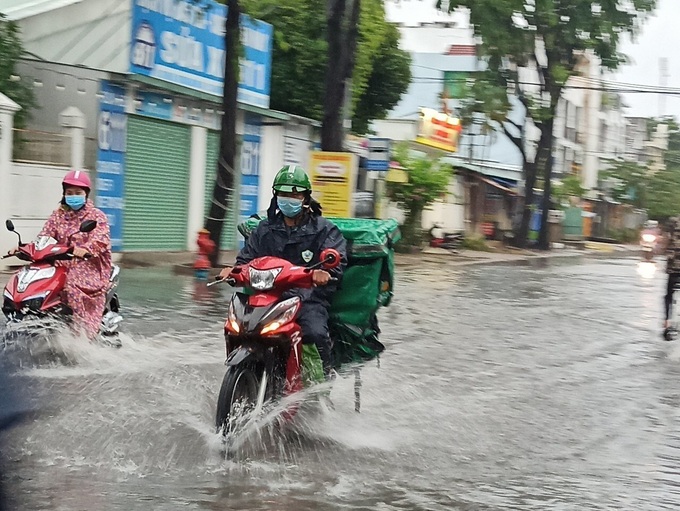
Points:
[[604, 85], [672, 92]]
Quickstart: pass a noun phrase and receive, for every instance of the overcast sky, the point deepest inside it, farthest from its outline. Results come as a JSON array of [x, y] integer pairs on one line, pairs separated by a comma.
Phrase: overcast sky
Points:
[[660, 37]]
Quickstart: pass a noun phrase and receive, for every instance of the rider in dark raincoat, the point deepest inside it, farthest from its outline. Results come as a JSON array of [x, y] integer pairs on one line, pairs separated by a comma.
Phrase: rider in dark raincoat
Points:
[[295, 230]]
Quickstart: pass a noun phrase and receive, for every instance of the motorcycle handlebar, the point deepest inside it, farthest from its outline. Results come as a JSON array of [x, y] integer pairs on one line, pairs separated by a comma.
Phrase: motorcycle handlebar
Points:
[[229, 280]]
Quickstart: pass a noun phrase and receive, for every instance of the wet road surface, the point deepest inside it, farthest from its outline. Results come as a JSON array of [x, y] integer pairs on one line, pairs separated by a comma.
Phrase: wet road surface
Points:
[[542, 387]]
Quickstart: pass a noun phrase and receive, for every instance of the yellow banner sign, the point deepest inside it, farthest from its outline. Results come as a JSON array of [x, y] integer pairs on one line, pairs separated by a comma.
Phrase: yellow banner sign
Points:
[[333, 181], [437, 129]]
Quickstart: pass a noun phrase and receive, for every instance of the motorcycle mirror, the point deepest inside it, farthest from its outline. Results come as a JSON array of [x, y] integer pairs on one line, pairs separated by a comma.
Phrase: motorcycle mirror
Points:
[[88, 225], [10, 225], [330, 258]]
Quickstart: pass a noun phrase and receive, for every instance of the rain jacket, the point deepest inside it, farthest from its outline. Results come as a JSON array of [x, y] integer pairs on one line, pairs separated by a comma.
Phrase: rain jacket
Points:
[[86, 280], [301, 245]]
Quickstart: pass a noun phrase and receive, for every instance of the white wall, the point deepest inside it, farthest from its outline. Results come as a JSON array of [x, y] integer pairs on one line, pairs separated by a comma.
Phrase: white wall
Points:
[[434, 38], [199, 145], [36, 192], [395, 129], [271, 160], [448, 213]]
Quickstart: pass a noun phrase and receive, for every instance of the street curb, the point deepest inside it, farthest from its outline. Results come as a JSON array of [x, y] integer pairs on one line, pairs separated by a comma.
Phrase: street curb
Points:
[[458, 261]]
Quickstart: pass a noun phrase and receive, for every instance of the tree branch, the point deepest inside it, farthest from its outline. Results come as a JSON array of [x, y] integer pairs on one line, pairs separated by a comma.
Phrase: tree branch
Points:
[[514, 139]]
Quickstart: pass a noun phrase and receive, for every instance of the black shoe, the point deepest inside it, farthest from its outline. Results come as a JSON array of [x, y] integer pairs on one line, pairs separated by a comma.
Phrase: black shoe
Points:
[[670, 334]]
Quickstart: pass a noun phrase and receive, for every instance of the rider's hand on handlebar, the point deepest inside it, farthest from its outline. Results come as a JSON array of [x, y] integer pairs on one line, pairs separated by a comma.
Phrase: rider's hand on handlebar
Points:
[[12, 251], [225, 272], [320, 277], [80, 252]]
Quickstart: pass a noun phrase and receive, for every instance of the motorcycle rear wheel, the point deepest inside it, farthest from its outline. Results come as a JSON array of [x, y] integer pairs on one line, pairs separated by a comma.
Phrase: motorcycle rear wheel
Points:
[[237, 398]]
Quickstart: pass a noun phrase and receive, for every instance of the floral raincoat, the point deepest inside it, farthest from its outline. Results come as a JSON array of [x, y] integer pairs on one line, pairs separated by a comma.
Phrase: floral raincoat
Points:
[[87, 280]]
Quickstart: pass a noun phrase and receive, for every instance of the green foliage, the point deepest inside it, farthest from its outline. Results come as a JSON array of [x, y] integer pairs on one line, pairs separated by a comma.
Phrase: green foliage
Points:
[[300, 56], [11, 50], [629, 182], [659, 192], [663, 193], [428, 180], [624, 235], [477, 243], [569, 187], [550, 37]]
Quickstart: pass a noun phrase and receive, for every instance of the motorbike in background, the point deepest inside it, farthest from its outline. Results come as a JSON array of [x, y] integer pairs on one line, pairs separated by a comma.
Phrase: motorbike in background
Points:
[[649, 240], [447, 240]]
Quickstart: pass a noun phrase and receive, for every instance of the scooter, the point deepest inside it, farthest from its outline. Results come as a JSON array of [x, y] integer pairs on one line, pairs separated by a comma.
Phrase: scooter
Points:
[[447, 240], [35, 292], [263, 340]]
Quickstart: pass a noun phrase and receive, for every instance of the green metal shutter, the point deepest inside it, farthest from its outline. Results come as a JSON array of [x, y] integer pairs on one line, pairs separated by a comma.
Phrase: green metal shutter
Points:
[[229, 237], [156, 185]]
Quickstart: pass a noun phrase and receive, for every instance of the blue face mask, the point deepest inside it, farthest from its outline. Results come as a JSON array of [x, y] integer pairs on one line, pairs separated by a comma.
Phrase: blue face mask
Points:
[[289, 206], [75, 202]]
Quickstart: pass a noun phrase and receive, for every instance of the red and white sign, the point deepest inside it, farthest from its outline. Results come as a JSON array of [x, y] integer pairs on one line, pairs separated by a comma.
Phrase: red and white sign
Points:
[[439, 130]]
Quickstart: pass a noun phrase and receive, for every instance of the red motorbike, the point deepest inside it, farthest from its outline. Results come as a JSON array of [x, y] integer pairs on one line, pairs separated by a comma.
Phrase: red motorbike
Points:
[[263, 340], [36, 290]]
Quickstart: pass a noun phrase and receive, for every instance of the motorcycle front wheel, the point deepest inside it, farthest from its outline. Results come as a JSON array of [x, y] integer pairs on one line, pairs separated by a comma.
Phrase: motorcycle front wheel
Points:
[[237, 398]]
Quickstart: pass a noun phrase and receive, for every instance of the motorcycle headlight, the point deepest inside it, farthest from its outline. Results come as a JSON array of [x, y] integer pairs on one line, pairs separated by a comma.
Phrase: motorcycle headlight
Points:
[[29, 275], [263, 280], [648, 238], [280, 315]]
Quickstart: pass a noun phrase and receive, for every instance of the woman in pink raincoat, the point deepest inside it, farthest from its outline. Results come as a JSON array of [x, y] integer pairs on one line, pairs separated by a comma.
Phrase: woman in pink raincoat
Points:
[[87, 279]]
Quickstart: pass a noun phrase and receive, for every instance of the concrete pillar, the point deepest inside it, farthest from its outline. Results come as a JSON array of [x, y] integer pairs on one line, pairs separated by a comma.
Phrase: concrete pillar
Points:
[[73, 122], [199, 147], [7, 110], [272, 156]]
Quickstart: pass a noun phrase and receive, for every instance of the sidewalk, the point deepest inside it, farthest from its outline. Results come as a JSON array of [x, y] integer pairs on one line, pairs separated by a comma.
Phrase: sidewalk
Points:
[[470, 257]]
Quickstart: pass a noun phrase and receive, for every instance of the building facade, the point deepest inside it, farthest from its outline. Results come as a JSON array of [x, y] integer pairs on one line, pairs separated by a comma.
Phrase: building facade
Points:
[[148, 78]]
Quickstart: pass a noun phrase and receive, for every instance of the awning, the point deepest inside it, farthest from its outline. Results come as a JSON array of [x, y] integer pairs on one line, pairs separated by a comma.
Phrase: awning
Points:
[[497, 185]]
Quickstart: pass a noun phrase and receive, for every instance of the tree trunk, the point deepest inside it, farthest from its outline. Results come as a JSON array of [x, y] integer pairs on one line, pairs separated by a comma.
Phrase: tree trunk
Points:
[[223, 191], [341, 49], [543, 235], [530, 171]]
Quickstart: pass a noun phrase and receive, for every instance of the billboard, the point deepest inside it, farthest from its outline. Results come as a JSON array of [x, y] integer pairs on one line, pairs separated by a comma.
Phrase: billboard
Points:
[[333, 181], [111, 140], [437, 129], [182, 42]]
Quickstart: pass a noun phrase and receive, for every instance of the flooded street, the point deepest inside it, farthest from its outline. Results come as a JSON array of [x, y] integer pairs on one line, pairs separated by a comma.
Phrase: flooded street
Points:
[[535, 387]]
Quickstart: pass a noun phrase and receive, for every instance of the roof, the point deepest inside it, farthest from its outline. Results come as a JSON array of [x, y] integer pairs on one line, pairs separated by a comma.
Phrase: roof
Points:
[[21, 9], [487, 168]]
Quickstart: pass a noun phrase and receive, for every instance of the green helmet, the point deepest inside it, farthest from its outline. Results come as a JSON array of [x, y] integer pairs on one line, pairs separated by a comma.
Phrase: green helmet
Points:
[[292, 178]]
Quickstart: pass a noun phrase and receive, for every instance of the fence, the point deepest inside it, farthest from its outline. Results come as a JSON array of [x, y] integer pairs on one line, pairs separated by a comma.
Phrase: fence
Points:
[[32, 146]]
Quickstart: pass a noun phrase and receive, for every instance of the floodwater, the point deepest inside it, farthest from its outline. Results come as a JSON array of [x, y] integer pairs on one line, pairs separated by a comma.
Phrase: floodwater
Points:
[[535, 387]]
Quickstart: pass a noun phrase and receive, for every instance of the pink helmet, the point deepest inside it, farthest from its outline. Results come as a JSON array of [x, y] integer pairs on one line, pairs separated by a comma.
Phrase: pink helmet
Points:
[[77, 178]]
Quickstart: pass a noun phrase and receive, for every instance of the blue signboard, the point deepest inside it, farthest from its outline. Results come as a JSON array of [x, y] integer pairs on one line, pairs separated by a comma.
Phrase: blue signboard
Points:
[[378, 154], [153, 105], [111, 137], [182, 42], [250, 166]]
